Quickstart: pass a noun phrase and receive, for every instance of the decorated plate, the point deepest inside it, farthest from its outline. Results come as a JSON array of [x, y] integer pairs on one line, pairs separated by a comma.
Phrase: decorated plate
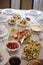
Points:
[[4, 18], [9, 11], [23, 23], [33, 12], [3, 31]]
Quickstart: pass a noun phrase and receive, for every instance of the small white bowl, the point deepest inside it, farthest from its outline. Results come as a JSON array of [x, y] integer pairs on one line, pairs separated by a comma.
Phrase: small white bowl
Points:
[[36, 27], [13, 49]]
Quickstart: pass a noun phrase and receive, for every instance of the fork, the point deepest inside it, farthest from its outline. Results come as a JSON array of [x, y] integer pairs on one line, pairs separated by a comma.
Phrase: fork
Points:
[[21, 40]]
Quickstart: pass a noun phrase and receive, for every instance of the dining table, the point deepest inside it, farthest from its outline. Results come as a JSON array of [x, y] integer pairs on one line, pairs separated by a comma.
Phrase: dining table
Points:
[[35, 36]]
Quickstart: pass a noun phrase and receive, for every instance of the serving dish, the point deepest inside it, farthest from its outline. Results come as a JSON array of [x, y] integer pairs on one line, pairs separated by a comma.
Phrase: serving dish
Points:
[[16, 16], [14, 60], [36, 27], [18, 33], [23, 22], [11, 21], [31, 50], [35, 62], [12, 45]]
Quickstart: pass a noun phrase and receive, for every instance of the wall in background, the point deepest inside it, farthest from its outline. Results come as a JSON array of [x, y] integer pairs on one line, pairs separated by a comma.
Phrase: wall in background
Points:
[[15, 4], [38, 5], [4, 4], [26, 4]]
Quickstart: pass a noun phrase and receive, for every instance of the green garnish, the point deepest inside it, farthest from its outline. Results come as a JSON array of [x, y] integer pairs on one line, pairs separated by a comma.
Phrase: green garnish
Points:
[[9, 38], [35, 50], [8, 22], [32, 41], [26, 41], [12, 29]]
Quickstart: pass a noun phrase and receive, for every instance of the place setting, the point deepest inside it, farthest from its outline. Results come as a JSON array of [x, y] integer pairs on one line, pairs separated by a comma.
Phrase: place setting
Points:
[[8, 11]]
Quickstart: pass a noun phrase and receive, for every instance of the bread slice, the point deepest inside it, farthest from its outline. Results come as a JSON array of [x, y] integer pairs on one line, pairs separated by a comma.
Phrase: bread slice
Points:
[[36, 62]]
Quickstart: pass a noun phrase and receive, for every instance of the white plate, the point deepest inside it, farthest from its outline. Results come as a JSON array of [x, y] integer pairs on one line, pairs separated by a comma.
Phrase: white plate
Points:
[[33, 12], [28, 22], [0, 10], [4, 18], [4, 55], [9, 11], [40, 20], [3, 31]]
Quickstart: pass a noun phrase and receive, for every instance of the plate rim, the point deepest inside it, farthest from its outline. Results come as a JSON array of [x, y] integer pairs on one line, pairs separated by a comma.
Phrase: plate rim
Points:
[[5, 16], [23, 25], [6, 53], [12, 49], [38, 12], [5, 33], [8, 9], [36, 30]]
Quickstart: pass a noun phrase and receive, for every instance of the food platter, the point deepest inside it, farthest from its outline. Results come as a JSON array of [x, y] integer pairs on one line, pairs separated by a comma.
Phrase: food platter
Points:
[[23, 23], [18, 33], [31, 50], [16, 16], [35, 62], [11, 21]]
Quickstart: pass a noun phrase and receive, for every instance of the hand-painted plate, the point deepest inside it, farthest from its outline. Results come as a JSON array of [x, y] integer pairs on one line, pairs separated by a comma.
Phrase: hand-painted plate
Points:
[[8, 11], [3, 31], [4, 18], [33, 12]]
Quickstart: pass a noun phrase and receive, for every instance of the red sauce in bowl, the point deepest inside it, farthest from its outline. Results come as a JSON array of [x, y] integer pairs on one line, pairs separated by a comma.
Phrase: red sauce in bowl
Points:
[[14, 60], [12, 45]]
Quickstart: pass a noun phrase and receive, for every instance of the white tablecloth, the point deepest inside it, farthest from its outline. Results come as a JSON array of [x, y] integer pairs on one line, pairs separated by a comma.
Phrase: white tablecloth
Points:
[[34, 37]]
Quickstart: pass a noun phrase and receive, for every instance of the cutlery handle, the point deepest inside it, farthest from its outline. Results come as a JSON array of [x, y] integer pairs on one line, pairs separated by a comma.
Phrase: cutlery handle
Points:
[[21, 40]]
